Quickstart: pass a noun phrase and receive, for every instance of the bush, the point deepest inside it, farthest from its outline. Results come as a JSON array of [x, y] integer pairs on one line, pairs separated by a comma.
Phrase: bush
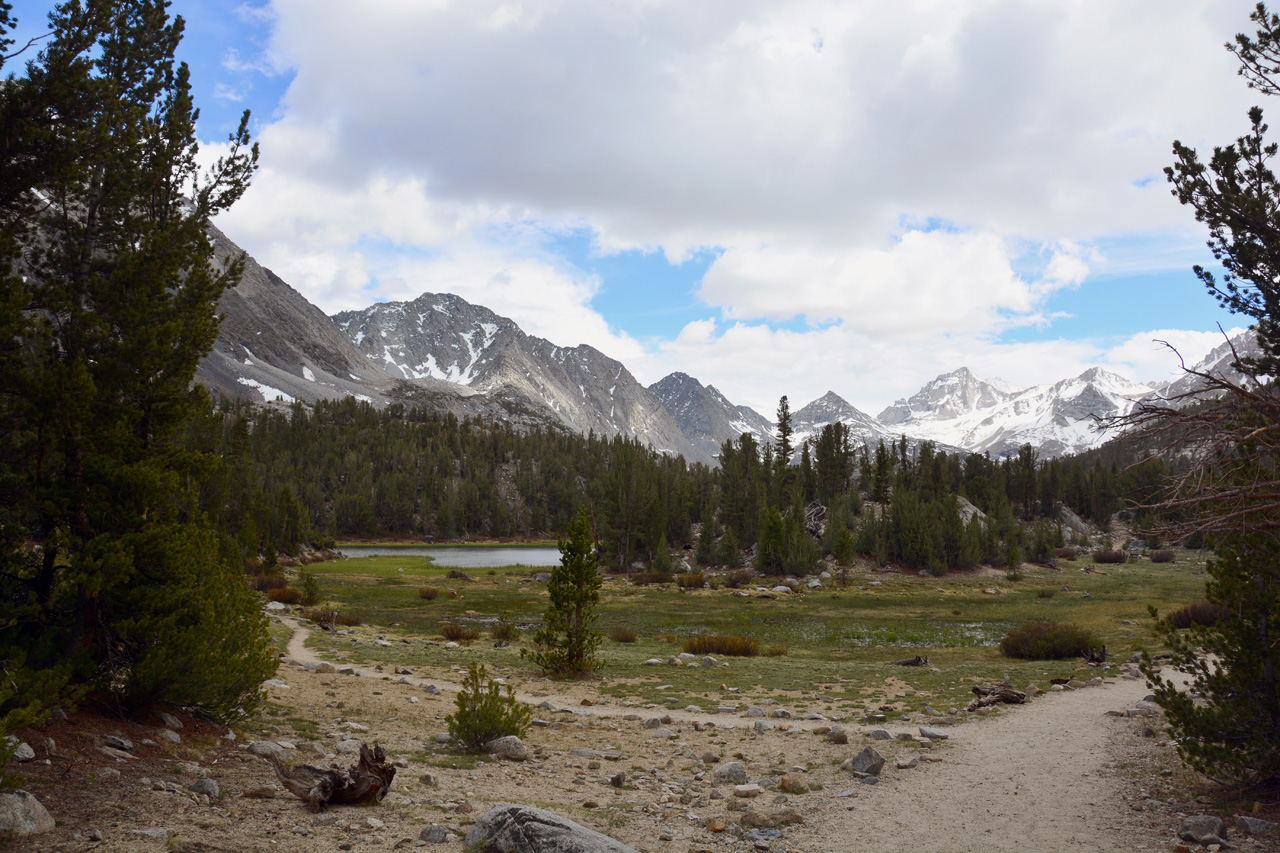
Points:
[[1162, 556], [459, 633], [1110, 556], [458, 575], [736, 645], [666, 637], [505, 629], [1201, 613], [620, 634], [310, 588], [330, 617], [267, 582], [777, 650], [1067, 553], [284, 596], [1048, 641], [690, 580], [485, 712], [738, 578], [429, 593], [1045, 593]]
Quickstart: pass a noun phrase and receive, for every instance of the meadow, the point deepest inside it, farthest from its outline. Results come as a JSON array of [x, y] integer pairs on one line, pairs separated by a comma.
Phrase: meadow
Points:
[[838, 640]]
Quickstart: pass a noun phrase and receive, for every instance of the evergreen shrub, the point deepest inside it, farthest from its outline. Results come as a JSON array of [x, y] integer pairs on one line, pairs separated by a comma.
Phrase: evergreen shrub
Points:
[[1048, 641], [485, 712], [738, 578]]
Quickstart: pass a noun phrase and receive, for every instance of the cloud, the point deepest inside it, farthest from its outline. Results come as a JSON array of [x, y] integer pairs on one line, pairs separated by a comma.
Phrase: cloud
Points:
[[1147, 356], [888, 187]]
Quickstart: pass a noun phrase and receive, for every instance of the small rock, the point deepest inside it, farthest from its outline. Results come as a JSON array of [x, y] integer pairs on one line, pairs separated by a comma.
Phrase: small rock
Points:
[[434, 835], [748, 791], [908, 763], [117, 743], [879, 734], [869, 761], [169, 735], [344, 747], [933, 734], [1199, 827], [170, 721], [157, 834], [838, 735], [267, 748], [1250, 825], [205, 785]]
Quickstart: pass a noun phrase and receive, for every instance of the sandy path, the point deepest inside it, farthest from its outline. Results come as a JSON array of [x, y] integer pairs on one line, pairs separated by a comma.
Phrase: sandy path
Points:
[[1047, 776]]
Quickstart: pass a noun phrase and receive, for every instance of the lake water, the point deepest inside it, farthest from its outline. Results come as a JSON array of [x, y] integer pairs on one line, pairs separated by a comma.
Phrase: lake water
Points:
[[464, 557]]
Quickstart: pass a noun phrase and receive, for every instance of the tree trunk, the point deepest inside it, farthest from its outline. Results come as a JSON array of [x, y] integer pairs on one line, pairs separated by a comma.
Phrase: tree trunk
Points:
[[364, 783]]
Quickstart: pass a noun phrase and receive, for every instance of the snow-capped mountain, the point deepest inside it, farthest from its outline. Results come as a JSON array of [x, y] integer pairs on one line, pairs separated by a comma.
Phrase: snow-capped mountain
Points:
[[444, 338], [706, 416], [808, 420], [1217, 363], [958, 409]]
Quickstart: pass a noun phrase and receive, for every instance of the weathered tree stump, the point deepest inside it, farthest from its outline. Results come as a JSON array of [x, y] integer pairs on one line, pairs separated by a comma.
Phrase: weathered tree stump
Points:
[[1095, 657], [363, 783], [1002, 693]]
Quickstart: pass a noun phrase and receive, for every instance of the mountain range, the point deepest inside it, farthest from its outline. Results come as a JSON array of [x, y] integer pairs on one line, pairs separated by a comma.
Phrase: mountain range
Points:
[[443, 352]]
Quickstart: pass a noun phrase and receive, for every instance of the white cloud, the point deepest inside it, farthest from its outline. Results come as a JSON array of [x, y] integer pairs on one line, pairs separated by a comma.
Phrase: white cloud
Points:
[[1158, 355], [815, 144]]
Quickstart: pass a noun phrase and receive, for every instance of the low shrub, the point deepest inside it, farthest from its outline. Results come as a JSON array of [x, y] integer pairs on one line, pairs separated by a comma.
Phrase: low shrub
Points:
[[459, 633], [777, 650], [505, 629], [310, 588], [1201, 613], [666, 637], [1162, 556], [690, 580], [485, 712], [620, 634], [429, 593], [1048, 641], [285, 596], [268, 582], [735, 645], [1067, 553], [738, 578], [458, 575], [1110, 556], [329, 616], [1045, 593]]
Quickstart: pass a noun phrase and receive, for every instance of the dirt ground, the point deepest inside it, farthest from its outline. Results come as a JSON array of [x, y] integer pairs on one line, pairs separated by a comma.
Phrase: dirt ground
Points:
[[1055, 774]]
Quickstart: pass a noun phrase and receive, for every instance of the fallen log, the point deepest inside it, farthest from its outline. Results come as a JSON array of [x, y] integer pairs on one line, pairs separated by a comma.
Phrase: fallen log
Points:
[[1003, 693], [915, 661], [364, 783]]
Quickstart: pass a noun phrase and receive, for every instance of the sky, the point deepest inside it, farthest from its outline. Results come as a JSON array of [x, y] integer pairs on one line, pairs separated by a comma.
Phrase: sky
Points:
[[783, 197]]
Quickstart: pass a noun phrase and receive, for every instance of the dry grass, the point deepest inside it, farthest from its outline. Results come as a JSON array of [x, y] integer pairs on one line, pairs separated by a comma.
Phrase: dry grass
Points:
[[1201, 613], [735, 645], [690, 580], [1162, 556], [284, 596], [619, 634], [428, 593], [329, 616]]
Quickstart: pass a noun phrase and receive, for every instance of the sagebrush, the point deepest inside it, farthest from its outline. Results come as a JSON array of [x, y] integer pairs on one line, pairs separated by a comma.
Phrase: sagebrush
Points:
[[1048, 641]]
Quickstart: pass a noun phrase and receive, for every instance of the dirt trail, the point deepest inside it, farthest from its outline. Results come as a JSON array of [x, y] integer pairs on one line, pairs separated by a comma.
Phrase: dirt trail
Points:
[[1048, 776]]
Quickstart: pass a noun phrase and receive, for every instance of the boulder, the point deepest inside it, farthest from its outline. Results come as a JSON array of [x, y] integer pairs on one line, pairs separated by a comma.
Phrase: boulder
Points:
[[524, 829], [1250, 825], [730, 773], [933, 734], [170, 721], [21, 814], [1199, 827], [510, 747]]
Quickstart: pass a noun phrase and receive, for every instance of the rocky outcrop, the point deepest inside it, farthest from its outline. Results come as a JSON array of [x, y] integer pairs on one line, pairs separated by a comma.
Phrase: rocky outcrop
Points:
[[706, 416]]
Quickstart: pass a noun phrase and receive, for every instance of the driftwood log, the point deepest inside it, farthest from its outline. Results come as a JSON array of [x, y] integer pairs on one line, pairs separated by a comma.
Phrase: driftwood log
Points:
[[915, 661], [363, 783], [1095, 657], [1002, 693]]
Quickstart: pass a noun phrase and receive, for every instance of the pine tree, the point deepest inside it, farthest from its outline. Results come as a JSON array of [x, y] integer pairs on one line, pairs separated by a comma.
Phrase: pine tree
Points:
[[107, 307], [566, 643]]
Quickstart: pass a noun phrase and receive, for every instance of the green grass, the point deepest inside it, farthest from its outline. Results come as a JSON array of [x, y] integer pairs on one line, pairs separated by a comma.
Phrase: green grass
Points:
[[837, 639]]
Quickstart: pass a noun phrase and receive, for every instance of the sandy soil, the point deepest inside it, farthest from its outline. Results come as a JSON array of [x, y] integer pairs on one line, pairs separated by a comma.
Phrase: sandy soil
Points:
[[1055, 774]]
